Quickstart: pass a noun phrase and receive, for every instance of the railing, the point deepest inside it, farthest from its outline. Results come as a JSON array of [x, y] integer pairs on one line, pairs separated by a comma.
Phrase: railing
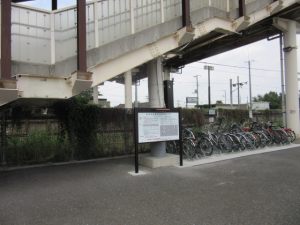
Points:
[[31, 32], [45, 37]]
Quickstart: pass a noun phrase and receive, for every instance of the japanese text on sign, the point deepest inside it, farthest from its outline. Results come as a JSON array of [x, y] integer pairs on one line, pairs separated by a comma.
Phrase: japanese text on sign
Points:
[[155, 127]]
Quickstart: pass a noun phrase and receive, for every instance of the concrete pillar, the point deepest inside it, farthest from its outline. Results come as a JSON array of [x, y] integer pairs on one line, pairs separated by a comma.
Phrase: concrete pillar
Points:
[[128, 89], [292, 98], [156, 98], [95, 95], [167, 73], [155, 84]]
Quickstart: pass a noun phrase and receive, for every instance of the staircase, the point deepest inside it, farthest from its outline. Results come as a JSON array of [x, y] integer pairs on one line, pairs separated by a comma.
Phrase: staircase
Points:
[[121, 35]]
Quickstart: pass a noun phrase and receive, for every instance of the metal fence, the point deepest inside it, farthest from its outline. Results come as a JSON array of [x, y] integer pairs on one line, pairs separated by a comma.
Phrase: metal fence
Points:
[[36, 139], [33, 138]]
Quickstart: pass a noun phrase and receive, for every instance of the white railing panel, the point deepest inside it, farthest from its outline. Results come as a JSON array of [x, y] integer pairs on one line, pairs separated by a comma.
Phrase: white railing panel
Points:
[[114, 20], [31, 28], [90, 28], [30, 35], [221, 5], [254, 5], [234, 4], [147, 14], [65, 34], [196, 4], [249, 1], [172, 9]]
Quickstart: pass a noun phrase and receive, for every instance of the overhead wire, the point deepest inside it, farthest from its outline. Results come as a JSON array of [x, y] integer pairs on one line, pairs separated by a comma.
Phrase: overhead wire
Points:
[[239, 67]]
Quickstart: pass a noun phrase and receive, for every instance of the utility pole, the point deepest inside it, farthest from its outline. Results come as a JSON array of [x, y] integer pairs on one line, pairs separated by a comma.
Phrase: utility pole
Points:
[[224, 96], [238, 89], [197, 90], [209, 68], [250, 91], [230, 92], [238, 84]]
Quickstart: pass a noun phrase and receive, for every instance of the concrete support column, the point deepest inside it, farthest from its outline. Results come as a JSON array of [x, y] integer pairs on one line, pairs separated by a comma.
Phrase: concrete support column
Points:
[[167, 73], [156, 98], [168, 89], [292, 98], [128, 89], [155, 84], [95, 95]]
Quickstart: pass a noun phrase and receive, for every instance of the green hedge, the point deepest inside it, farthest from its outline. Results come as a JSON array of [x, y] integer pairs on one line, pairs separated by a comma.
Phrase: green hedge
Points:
[[36, 147]]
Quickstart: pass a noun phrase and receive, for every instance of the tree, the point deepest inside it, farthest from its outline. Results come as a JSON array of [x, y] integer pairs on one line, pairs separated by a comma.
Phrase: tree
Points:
[[272, 97], [85, 96]]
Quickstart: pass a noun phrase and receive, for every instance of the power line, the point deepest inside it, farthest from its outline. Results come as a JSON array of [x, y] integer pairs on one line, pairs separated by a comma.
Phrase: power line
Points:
[[238, 67], [230, 72]]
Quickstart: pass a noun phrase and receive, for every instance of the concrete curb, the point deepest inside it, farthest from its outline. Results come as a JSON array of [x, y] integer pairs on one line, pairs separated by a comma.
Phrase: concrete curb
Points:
[[222, 157], [7, 169]]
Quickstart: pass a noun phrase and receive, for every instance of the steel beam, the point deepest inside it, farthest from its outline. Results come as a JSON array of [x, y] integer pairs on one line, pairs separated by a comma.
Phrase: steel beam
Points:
[[54, 4], [186, 15], [81, 36], [242, 8], [6, 40]]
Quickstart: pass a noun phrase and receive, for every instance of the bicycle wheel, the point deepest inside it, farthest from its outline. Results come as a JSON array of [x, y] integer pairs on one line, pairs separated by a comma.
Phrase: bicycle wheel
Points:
[[276, 137], [246, 143], [172, 147], [291, 134], [284, 138], [188, 149], [225, 143], [263, 139], [205, 146], [235, 143], [268, 136], [254, 141]]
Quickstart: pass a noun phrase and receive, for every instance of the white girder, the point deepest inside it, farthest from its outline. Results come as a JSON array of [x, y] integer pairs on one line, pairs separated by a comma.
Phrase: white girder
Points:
[[108, 70], [246, 21]]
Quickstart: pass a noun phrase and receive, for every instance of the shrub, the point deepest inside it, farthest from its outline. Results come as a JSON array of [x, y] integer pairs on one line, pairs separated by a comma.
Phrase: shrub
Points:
[[36, 147]]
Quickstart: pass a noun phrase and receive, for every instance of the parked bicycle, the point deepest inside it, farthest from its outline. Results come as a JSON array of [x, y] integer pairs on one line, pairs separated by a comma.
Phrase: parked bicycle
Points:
[[232, 137]]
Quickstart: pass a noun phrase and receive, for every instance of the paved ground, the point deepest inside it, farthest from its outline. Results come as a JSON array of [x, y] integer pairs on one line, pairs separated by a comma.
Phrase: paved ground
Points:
[[255, 190]]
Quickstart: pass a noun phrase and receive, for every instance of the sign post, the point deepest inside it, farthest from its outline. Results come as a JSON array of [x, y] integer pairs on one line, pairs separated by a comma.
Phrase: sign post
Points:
[[156, 125], [136, 146]]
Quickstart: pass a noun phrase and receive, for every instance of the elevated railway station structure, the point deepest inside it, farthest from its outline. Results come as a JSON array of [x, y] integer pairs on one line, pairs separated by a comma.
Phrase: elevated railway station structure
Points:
[[58, 53]]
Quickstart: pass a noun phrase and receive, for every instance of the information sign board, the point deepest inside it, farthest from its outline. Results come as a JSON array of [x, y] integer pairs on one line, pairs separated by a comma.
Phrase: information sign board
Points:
[[212, 112], [158, 126], [191, 100]]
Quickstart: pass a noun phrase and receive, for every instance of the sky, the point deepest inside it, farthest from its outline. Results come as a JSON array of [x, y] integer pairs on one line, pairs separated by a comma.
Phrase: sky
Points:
[[265, 72], [46, 4]]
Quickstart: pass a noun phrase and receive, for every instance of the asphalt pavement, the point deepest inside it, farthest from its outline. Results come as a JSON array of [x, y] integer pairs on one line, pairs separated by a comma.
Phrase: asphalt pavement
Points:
[[254, 190]]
